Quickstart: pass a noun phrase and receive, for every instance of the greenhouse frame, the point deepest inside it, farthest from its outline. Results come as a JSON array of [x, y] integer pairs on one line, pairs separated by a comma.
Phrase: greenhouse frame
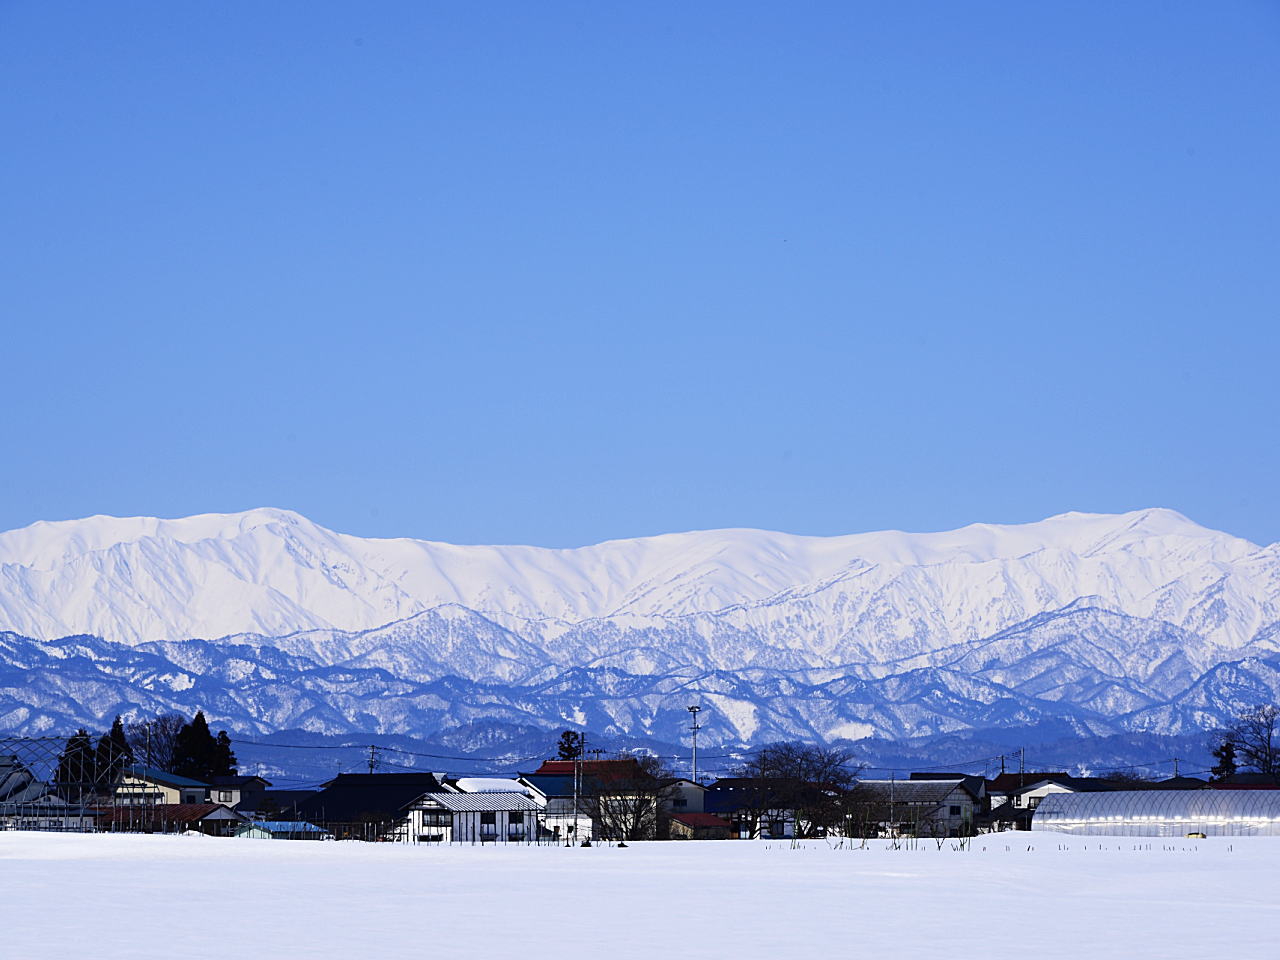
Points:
[[1162, 813]]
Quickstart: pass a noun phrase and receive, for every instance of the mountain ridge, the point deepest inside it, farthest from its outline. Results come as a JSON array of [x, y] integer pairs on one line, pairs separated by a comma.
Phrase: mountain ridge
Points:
[[1084, 624]]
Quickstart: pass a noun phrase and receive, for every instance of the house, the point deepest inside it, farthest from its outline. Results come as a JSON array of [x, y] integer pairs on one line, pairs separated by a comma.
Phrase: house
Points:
[[698, 826], [974, 784], [212, 819], [612, 799], [685, 796], [565, 815], [488, 817], [922, 808], [757, 809], [238, 792], [148, 786], [1029, 795], [366, 806], [29, 804], [282, 830]]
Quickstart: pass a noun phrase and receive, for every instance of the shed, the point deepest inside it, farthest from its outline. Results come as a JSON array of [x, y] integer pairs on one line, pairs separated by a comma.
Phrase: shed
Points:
[[699, 826], [283, 830]]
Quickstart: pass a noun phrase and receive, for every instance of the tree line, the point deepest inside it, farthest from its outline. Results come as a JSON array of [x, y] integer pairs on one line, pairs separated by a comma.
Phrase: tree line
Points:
[[170, 742]]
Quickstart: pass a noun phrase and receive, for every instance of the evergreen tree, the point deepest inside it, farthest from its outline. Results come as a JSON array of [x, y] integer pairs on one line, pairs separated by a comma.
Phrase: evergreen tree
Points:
[[570, 746], [1225, 754], [194, 749], [73, 778], [112, 755], [224, 760]]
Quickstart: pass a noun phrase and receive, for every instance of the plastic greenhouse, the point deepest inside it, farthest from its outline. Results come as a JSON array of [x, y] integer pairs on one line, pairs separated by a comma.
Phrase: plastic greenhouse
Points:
[[1162, 813]]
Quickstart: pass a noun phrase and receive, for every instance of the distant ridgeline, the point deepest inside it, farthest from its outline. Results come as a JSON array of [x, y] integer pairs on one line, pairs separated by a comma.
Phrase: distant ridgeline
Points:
[[1129, 633]]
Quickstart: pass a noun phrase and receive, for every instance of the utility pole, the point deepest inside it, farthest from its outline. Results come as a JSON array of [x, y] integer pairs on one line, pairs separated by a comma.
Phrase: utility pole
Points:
[[1022, 766], [1175, 767], [373, 758], [577, 786], [1002, 763], [694, 730]]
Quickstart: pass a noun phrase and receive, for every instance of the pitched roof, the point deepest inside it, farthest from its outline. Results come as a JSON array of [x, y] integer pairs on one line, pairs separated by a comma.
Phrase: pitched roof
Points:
[[169, 813], [162, 776], [701, 820], [483, 802], [729, 794], [910, 791], [286, 826], [488, 785], [1009, 782], [350, 797], [549, 785], [974, 784], [238, 781], [606, 771]]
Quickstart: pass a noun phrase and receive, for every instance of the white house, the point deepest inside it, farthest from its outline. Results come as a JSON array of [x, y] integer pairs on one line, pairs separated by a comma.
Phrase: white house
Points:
[[561, 817], [685, 796], [946, 808], [472, 818]]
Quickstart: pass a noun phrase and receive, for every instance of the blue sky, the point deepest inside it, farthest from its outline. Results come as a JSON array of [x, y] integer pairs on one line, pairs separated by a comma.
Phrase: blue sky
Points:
[[556, 273]]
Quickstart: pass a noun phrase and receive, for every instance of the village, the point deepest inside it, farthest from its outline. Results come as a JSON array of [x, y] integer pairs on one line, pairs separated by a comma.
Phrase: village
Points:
[[788, 792]]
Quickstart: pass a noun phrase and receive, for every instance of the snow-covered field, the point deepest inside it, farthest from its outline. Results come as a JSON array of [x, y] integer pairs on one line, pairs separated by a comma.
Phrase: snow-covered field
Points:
[[137, 896]]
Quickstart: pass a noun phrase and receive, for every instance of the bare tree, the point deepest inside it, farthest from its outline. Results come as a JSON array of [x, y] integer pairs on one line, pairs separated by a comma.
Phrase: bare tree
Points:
[[803, 780], [626, 796], [1256, 738], [155, 742]]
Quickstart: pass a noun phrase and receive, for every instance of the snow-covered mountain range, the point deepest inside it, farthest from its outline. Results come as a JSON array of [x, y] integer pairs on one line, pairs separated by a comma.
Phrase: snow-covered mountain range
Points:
[[1095, 623]]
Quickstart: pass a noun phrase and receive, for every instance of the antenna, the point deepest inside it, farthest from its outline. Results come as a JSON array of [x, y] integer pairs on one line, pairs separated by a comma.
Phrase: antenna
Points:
[[693, 711]]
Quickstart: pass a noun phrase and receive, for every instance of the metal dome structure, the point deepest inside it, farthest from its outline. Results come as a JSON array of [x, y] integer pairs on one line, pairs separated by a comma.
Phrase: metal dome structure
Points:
[[1162, 813]]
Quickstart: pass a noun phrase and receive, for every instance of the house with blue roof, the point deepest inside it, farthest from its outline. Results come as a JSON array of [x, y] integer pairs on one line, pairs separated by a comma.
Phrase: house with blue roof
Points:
[[282, 830]]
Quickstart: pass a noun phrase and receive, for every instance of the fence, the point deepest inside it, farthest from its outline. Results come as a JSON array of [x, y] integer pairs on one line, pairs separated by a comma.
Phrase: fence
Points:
[[68, 784]]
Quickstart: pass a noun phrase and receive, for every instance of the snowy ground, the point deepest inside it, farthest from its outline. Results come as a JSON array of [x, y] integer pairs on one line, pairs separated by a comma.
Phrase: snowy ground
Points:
[[135, 896]]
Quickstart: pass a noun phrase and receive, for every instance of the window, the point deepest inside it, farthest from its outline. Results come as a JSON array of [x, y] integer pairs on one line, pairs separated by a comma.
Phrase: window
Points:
[[515, 817], [224, 796], [955, 810], [679, 803], [488, 817], [433, 818]]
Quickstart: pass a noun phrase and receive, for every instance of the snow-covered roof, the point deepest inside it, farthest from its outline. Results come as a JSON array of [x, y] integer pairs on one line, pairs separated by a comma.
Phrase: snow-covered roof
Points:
[[490, 785]]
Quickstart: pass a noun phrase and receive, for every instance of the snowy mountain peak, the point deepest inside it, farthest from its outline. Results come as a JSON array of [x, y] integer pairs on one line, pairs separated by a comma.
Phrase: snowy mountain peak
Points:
[[850, 598]]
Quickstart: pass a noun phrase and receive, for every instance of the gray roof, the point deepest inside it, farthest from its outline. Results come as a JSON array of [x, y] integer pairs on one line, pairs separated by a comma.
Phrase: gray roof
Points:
[[910, 791], [484, 802], [143, 772]]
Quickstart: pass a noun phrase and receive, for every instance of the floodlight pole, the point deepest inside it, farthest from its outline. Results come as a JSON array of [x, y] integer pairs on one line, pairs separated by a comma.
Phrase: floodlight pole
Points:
[[694, 729]]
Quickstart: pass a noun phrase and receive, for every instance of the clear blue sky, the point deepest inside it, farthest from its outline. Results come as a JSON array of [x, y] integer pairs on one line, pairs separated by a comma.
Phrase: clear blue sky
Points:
[[556, 273]]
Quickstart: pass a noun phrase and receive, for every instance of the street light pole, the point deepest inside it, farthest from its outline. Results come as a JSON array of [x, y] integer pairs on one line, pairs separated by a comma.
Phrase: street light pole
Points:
[[695, 728]]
